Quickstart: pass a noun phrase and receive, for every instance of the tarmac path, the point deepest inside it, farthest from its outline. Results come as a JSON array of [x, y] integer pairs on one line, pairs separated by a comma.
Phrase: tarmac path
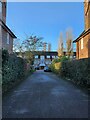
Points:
[[44, 95]]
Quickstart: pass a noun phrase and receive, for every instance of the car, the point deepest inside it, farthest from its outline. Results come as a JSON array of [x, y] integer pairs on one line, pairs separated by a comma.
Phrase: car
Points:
[[37, 68], [47, 69]]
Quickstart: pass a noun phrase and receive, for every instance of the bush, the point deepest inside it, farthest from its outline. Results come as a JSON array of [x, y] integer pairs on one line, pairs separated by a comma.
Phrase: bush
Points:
[[60, 59], [5, 56], [78, 71], [56, 64], [13, 69], [52, 67]]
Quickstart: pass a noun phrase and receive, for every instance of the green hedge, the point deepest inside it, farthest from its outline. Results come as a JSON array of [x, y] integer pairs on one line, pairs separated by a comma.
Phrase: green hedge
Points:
[[13, 69], [56, 61], [61, 59], [52, 66], [77, 70]]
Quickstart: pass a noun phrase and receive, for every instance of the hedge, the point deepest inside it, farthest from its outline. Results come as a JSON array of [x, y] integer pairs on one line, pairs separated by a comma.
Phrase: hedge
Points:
[[77, 71], [61, 59], [55, 67], [13, 69]]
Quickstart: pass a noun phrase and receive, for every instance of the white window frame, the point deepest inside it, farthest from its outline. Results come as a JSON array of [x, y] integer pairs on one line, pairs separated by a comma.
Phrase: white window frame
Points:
[[48, 56], [82, 43], [8, 38], [53, 56], [36, 56]]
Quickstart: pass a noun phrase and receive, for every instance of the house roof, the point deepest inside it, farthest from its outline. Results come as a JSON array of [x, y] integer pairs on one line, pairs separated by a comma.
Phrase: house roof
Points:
[[42, 64], [8, 30], [55, 53], [84, 33]]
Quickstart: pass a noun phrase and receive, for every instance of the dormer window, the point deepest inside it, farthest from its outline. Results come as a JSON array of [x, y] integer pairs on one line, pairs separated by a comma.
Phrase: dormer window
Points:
[[82, 43]]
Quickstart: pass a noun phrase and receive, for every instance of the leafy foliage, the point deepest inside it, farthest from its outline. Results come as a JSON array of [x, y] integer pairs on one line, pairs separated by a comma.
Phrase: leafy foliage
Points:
[[32, 43], [5, 56], [55, 63], [13, 68], [78, 71], [69, 47], [60, 59], [60, 45]]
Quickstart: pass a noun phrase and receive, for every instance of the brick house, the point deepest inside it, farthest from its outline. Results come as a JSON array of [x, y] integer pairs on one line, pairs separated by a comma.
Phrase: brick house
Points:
[[6, 35], [83, 41], [44, 58]]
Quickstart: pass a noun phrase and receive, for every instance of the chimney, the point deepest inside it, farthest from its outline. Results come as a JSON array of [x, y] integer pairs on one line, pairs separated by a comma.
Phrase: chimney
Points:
[[3, 10], [87, 14]]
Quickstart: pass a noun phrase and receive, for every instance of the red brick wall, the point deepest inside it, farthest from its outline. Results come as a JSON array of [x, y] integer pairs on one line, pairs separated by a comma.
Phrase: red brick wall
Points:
[[85, 52], [9, 46], [89, 45], [4, 11], [77, 49], [87, 15]]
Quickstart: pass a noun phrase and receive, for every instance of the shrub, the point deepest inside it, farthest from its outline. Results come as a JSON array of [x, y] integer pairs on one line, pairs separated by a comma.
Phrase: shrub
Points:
[[5, 56], [56, 64], [13, 69], [52, 67], [78, 71], [60, 59]]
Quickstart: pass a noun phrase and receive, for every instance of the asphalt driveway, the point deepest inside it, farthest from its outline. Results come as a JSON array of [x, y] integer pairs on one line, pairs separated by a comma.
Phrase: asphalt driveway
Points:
[[44, 95]]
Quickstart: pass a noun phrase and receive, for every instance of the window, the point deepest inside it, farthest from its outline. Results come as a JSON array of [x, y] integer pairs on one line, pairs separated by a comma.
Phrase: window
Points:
[[56, 56], [7, 38], [53, 56], [82, 43], [42, 57], [36, 56], [48, 56]]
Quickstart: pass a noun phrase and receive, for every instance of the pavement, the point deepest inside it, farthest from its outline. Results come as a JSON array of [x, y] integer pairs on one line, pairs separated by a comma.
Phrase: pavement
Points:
[[45, 95]]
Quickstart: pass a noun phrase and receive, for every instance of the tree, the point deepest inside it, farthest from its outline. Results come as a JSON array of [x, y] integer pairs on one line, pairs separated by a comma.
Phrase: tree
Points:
[[49, 47], [44, 46], [69, 45], [18, 47], [60, 45], [31, 44]]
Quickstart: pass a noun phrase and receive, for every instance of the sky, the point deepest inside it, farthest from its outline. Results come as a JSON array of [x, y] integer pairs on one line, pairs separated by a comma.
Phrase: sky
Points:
[[45, 19]]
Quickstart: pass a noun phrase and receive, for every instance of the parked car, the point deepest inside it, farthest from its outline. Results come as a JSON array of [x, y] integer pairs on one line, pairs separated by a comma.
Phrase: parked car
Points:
[[47, 69], [37, 68]]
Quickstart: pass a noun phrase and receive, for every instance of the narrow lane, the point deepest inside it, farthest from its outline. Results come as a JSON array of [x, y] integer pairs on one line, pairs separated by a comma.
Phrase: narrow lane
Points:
[[44, 95]]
